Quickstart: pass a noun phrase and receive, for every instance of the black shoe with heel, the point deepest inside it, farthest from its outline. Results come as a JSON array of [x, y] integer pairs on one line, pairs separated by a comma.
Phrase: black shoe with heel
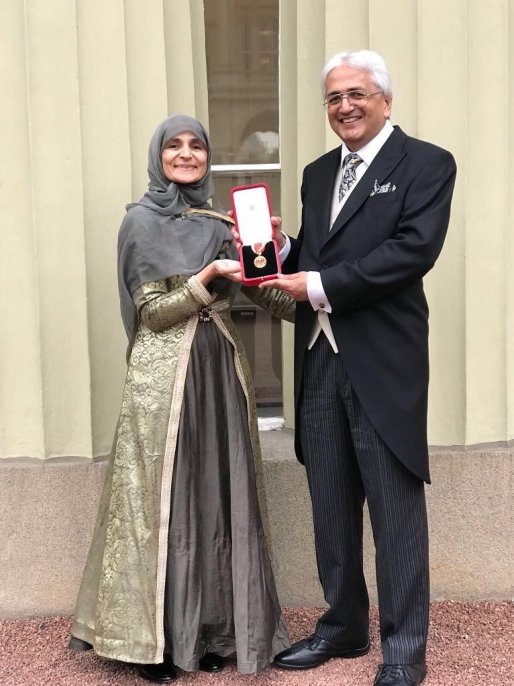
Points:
[[212, 663], [79, 645], [162, 673]]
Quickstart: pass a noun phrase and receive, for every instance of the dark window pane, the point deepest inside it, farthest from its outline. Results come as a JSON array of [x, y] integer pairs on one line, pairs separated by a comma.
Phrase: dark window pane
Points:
[[262, 339], [242, 74]]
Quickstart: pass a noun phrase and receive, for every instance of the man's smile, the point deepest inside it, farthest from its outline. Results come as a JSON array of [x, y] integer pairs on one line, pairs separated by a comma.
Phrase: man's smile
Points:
[[351, 119]]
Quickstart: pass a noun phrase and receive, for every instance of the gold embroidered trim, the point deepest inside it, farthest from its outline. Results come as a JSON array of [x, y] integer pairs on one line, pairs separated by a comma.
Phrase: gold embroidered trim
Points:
[[199, 291], [166, 480], [211, 213]]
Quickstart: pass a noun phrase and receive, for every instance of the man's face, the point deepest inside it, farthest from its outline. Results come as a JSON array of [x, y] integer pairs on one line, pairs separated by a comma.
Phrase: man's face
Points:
[[356, 123]]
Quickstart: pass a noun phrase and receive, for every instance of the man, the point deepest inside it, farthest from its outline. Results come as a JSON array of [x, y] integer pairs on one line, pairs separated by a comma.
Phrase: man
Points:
[[375, 215]]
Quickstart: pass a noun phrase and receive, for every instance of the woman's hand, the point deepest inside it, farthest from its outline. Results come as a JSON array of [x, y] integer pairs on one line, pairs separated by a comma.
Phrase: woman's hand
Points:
[[237, 238], [230, 269]]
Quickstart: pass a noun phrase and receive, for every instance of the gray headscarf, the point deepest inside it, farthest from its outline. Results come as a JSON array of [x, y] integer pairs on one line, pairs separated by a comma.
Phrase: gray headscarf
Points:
[[167, 197], [158, 239]]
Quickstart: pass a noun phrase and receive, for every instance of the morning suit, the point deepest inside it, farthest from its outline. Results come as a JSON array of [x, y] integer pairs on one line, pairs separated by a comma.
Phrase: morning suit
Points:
[[361, 414]]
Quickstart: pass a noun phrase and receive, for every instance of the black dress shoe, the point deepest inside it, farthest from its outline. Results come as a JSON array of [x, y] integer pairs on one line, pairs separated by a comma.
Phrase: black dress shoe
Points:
[[314, 651], [79, 645], [400, 675], [162, 673], [211, 662]]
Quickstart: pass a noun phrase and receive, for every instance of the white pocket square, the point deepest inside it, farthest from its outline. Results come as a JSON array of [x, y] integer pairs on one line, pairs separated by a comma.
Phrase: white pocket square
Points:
[[386, 188]]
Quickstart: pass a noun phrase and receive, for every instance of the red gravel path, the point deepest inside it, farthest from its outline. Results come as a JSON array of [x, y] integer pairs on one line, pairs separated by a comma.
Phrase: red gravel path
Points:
[[470, 645]]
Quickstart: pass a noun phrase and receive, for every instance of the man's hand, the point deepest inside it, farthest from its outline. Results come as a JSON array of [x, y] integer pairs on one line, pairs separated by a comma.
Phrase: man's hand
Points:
[[294, 284], [278, 236]]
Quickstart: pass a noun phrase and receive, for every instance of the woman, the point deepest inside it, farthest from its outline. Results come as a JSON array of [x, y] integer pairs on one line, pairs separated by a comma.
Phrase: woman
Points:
[[178, 572]]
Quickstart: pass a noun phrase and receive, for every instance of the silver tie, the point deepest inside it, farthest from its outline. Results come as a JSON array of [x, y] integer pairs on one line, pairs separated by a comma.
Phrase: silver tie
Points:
[[350, 164]]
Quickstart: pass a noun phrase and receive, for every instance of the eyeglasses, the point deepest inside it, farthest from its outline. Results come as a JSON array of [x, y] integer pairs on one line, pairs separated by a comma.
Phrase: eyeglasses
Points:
[[335, 100]]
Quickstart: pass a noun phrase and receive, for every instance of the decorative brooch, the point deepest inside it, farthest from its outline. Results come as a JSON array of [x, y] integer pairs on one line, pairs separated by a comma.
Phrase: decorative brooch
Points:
[[205, 314]]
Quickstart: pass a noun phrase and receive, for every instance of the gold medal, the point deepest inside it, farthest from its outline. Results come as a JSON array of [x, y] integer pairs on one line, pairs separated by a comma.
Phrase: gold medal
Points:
[[260, 261]]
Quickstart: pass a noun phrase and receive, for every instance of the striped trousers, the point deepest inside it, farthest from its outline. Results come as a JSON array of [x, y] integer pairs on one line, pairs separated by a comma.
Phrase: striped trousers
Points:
[[347, 463]]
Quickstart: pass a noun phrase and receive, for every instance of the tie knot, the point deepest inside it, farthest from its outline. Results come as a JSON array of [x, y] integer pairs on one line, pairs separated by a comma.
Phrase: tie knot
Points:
[[352, 160]]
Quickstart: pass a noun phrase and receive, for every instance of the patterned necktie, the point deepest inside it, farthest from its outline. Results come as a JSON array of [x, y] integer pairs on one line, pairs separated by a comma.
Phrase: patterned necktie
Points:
[[350, 164]]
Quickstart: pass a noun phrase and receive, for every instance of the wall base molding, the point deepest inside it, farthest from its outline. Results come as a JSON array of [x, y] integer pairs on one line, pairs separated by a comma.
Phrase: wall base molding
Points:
[[47, 509]]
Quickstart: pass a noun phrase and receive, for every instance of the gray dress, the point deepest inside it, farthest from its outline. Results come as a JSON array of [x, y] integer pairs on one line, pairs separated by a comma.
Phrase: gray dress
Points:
[[220, 593]]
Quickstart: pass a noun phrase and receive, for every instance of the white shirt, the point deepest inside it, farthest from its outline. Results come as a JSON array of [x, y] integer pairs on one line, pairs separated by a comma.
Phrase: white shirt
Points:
[[315, 291]]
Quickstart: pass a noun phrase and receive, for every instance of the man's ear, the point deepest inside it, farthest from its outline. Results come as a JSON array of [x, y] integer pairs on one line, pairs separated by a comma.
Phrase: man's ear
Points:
[[388, 106]]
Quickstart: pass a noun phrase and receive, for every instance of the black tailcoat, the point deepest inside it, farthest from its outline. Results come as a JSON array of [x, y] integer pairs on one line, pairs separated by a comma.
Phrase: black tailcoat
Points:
[[372, 264]]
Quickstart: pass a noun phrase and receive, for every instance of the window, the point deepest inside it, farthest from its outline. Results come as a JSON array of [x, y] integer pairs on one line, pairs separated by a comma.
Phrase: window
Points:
[[242, 75]]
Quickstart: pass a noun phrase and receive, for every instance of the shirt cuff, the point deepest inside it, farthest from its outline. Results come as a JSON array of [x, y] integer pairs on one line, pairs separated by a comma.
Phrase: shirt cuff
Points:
[[316, 294], [285, 250]]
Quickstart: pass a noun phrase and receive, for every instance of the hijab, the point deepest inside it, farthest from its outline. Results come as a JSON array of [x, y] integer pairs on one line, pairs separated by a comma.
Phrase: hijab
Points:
[[158, 238], [170, 198]]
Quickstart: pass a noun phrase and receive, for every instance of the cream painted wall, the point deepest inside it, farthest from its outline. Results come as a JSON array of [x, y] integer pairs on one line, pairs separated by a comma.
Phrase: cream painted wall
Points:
[[86, 83]]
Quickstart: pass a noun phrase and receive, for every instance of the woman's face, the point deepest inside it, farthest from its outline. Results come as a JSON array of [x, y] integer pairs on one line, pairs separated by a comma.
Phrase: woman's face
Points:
[[184, 159]]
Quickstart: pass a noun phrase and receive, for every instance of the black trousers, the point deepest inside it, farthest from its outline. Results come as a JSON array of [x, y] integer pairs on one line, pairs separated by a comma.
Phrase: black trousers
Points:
[[347, 463]]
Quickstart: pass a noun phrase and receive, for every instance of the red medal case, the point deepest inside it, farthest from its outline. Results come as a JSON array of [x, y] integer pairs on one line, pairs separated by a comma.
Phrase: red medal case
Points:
[[258, 252]]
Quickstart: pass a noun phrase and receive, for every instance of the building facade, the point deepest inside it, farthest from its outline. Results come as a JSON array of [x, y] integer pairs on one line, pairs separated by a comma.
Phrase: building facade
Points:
[[84, 84]]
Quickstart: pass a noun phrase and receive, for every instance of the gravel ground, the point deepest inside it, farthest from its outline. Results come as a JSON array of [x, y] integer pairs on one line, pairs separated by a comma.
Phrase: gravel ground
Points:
[[470, 644]]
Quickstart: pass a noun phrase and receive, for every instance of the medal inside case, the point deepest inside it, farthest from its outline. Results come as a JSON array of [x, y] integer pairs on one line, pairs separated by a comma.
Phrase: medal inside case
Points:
[[258, 253]]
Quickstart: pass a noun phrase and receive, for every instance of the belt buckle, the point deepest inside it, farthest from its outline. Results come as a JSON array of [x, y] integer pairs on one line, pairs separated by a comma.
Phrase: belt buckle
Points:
[[205, 314]]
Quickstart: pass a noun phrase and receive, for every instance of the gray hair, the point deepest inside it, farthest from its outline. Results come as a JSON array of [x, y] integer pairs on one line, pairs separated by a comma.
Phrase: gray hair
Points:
[[367, 60]]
